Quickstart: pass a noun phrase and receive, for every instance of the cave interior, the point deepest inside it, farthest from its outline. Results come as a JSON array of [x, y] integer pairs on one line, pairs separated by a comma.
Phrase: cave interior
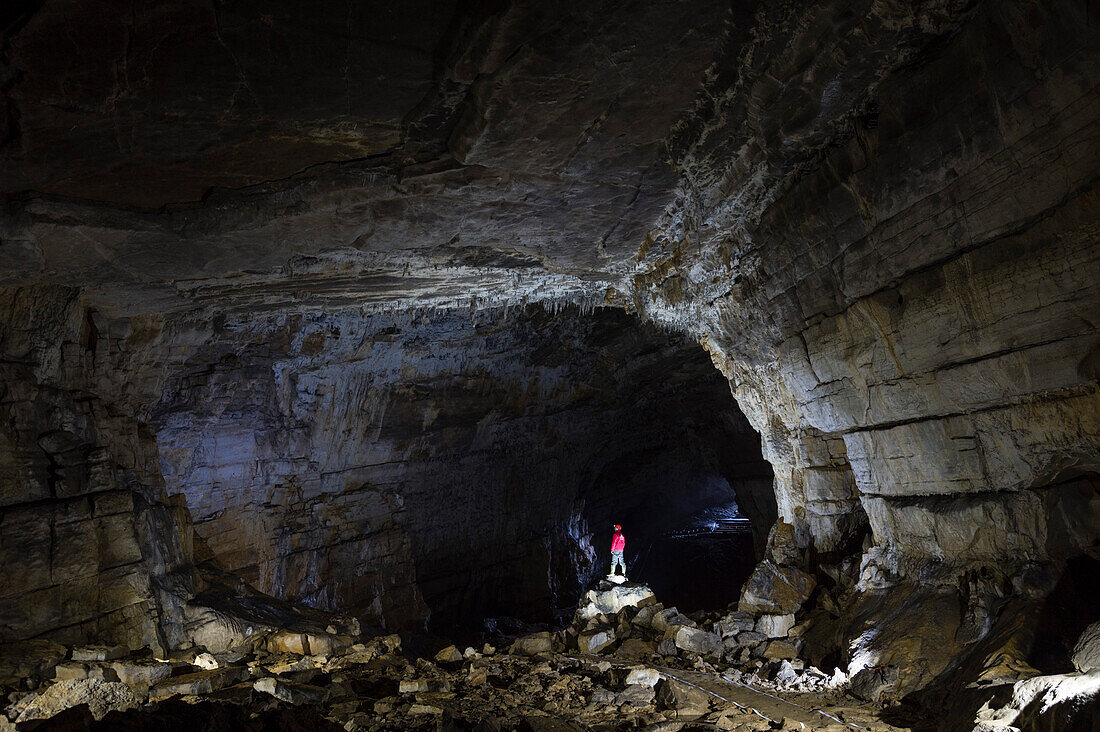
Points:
[[373, 319]]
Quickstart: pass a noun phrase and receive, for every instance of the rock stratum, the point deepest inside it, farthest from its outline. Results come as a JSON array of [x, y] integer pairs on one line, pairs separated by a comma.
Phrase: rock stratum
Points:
[[388, 312]]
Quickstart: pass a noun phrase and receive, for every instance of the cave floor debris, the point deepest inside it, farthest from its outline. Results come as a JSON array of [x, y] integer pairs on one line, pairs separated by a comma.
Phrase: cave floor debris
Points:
[[770, 709]]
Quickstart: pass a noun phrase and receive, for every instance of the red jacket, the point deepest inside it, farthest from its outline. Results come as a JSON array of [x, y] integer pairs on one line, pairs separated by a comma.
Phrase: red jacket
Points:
[[618, 542]]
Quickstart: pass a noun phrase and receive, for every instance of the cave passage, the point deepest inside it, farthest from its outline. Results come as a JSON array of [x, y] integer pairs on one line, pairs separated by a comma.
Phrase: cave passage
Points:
[[442, 469]]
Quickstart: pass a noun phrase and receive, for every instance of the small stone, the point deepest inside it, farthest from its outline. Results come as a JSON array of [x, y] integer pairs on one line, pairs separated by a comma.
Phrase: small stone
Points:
[[488, 650], [425, 709]]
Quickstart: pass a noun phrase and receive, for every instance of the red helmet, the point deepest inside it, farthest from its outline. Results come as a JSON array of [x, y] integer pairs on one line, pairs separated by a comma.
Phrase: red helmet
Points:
[[618, 528]]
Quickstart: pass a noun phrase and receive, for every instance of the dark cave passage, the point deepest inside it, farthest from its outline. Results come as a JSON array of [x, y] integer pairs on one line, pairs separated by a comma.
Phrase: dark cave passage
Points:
[[449, 469]]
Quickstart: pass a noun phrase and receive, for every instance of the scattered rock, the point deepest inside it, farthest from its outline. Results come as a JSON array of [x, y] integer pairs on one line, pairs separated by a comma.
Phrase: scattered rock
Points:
[[424, 686], [100, 696]]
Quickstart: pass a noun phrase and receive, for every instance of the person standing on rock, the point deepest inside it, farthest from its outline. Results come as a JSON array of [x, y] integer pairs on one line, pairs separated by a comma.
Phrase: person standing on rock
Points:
[[618, 545]]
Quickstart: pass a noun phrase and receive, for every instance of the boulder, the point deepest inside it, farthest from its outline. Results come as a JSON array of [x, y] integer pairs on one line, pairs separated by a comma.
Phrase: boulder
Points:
[[636, 649], [100, 696], [698, 641], [1086, 653], [596, 639], [290, 692], [328, 644], [775, 589], [424, 686], [285, 641], [530, 645], [69, 671], [637, 695], [141, 674], [669, 617], [450, 654], [734, 623], [750, 638], [643, 676], [872, 684], [780, 649], [200, 682], [610, 598], [775, 626], [689, 702], [205, 661]]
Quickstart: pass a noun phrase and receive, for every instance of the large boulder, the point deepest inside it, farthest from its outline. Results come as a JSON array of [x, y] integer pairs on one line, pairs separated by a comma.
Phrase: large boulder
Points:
[[1086, 653], [201, 682], [775, 589], [689, 702], [698, 641], [775, 626], [530, 645], [609, 598], [100, 696], [596, 639]]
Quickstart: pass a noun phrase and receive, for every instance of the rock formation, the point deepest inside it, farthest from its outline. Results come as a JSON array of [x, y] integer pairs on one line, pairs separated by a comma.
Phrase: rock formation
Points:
[[385, 314]]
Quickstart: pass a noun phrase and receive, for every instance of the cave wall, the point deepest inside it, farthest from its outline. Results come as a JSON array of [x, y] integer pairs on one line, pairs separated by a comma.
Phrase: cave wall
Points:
[[89, 541], [903, 292]]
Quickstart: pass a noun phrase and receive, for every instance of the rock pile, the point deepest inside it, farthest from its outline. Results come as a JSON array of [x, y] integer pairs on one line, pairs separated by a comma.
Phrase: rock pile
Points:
[[627, 621]]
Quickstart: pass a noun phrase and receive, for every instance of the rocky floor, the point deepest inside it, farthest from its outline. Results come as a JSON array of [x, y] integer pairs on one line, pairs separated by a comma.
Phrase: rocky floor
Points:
[[625, 662]]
